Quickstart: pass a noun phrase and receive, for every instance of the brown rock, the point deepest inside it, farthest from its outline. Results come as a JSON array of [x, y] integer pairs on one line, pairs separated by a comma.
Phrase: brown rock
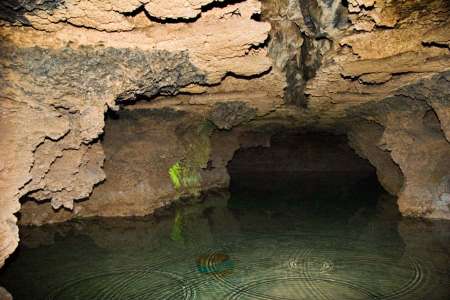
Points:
[[4, 295]]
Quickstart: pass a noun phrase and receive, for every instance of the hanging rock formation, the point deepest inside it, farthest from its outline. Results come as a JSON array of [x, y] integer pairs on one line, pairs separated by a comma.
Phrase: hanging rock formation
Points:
[[193, 75]]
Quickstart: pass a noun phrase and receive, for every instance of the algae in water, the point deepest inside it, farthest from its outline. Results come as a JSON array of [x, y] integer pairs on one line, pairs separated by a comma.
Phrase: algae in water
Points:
[[177, 228]]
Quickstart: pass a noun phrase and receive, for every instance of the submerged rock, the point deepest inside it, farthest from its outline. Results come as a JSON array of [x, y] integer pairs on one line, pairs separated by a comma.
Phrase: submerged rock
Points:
[[214, 263]]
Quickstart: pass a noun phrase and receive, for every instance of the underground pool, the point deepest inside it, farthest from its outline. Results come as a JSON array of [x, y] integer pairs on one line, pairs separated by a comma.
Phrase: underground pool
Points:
[[342, 239]]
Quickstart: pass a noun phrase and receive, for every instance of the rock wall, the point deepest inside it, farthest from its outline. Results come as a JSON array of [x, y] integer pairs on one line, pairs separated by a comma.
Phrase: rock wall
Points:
[[365, 138], [406, 139], [391, 56], [387, 46], [153, 157], [64, 63]]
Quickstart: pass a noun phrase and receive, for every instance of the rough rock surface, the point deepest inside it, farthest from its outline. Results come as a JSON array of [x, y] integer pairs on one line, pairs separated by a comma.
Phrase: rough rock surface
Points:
[[365, 138], [226, 115], [64, 63], [302, 153], [373, 62], [412, 136], [4, 295], [145, 145], [377, 70], [382, 78]]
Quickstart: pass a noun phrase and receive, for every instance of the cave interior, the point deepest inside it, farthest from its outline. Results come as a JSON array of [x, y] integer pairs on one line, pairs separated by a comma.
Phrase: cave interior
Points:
[[225, 149]]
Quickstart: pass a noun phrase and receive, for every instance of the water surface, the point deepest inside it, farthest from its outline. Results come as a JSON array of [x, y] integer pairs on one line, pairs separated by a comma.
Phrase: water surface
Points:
[[279, 236]]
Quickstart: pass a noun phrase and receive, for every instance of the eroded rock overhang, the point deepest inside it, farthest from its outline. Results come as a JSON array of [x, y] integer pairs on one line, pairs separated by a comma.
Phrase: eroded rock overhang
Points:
[[374, 69], [65, 63]]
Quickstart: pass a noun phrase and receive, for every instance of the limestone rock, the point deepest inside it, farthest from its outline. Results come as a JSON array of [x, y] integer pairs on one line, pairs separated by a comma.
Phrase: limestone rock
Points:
[[365, 138], [377, 70], [65, 63], [4, 295], [416, 143], [176, 9], [226, 115], [144, 144]]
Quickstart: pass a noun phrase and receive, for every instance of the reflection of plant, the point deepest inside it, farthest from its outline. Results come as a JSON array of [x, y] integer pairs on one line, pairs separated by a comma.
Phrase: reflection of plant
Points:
[[177, 228], [185, 174]]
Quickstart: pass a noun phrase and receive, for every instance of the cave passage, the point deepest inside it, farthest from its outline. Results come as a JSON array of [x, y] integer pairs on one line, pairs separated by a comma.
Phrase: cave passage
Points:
[[304, 219], [315, 172]]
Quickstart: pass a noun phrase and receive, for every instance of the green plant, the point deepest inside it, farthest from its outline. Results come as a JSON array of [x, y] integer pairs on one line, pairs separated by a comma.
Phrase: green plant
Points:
[[185, 177], [175, 175]]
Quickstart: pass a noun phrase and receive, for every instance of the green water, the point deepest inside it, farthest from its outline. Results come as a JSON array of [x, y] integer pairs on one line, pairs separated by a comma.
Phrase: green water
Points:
[[281, 236]]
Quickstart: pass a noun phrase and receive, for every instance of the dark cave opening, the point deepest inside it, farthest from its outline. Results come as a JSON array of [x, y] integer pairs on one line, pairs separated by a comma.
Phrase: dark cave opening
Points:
[[317, 172]]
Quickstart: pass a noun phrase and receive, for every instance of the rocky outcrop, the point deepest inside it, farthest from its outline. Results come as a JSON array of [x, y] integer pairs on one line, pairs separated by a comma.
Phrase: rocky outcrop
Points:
[[386, 47], [365, 138], [301, 35], [4, 295], [153, 157], [407, 140], [388, 56], [226, 115]]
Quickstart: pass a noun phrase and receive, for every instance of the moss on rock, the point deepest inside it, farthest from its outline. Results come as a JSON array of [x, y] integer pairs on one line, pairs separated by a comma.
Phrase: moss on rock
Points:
[[185, 174]]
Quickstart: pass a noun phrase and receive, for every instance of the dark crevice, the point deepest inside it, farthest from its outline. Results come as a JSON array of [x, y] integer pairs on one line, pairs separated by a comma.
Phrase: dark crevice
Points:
[[112, 114], [222, 4], [262, 45], [141, 9], [247, 77], [310, 63], [136, 98], [256, 17], [212, 5], [135, 12], [435, 44]]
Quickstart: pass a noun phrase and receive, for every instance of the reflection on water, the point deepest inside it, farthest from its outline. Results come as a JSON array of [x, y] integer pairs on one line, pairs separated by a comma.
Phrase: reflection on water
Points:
[[296, 238]]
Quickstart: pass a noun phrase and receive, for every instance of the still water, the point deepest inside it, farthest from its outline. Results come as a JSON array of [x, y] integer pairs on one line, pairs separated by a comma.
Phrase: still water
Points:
[[279, 236]]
